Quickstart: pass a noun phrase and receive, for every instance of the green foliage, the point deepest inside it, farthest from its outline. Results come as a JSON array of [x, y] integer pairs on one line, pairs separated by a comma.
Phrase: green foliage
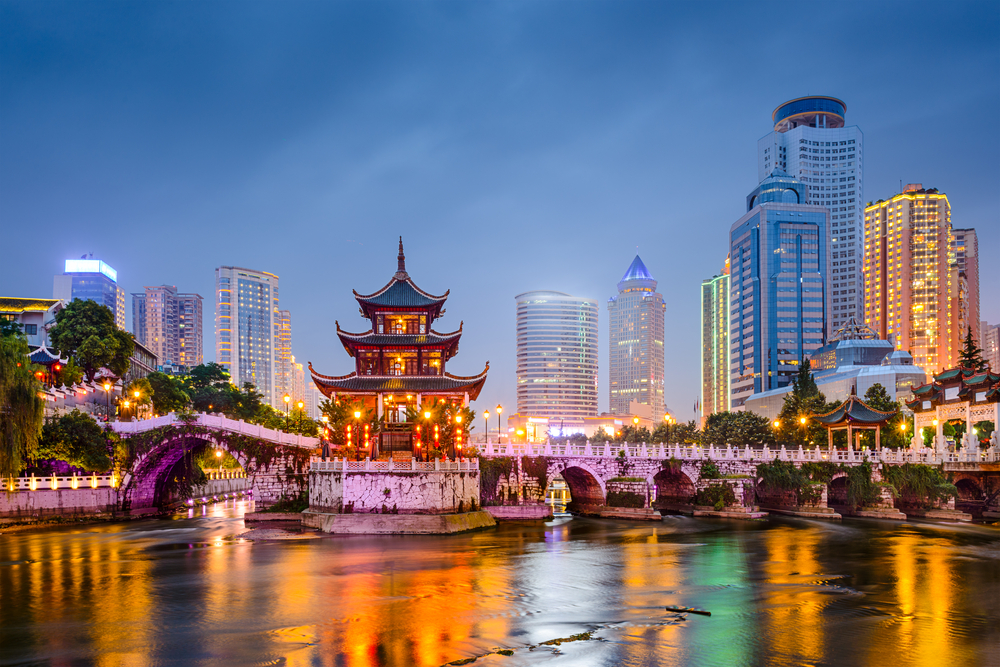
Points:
[[288, 506], [716, 495], [167, 393], [625, 499], [626, 479], [804, 401], [635, 434], [739, 429], [491, 469], [21, 408], [685, 434], [785, 476], [878, 398], [85, 330], [69, 375], [862, 490], [920, 484], [78, 440], [537, 467], [602, 436], [209, 459], [709, 470], [984, 430], [445, 416], [821, 471], [10, 328], [971, 355]]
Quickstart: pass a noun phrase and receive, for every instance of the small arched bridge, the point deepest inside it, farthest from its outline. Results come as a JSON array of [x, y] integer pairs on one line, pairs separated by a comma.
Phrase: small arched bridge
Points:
[[276, 463], [670, 474]]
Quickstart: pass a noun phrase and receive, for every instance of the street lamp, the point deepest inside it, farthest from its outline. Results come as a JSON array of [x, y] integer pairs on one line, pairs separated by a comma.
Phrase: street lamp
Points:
[[287, 399], [499, 410], [300, 404], [486, 420], [107, 400]]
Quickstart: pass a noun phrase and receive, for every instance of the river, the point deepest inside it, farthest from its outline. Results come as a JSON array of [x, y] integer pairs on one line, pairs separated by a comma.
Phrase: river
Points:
[[191, 591]]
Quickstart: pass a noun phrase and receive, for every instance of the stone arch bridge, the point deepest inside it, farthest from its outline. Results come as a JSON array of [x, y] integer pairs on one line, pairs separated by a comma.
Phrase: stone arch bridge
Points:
[[276, 463], [670, 474]]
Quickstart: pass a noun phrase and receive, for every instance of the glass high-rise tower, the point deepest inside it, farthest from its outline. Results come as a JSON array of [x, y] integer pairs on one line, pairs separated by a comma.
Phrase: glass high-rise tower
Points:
[[779, 257], [813, 144], [93, 280], [715, 344], [636, 342], [556, 355]]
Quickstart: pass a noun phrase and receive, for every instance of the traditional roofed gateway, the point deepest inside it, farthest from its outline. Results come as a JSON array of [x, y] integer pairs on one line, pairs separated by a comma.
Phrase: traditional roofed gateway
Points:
[[956, 394], [400, 361]]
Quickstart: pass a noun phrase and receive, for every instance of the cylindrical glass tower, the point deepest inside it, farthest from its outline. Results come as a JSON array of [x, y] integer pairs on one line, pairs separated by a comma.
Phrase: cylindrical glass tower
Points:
[[556, 355]]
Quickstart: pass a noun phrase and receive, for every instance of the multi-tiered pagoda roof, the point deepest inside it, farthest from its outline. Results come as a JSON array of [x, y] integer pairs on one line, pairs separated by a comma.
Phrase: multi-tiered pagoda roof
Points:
[[401, 353]]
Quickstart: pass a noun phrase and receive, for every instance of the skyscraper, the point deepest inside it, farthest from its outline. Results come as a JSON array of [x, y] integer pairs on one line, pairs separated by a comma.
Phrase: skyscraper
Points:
[[914, 290], [779, 257], [965, 249], [556, 355], [284, 359], [246, 328], [636, 342], [991, 345], [715, 344], [94, 280], [812, 143], [169, 324]]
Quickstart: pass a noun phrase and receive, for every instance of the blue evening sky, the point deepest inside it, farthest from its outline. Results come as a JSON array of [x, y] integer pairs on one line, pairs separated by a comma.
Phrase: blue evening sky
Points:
[[515, 146]]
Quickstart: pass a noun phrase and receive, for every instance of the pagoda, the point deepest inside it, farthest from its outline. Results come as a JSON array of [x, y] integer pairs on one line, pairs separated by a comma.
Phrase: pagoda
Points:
[[400, 361]]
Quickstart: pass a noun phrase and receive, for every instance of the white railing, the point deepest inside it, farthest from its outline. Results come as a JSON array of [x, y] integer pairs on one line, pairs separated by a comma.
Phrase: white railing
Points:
[[225, 473], [409, 465], [924, 455], [218, 422], [61, 482]]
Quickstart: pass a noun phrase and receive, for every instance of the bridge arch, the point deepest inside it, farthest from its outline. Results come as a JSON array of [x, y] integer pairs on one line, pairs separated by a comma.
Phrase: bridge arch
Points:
[[673, 487], [149, 482], [968, 490], [586, 487]]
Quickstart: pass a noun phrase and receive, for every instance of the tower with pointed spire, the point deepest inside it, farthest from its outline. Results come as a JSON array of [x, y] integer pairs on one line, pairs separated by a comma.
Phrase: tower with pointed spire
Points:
[[400, 361], [635, 335]]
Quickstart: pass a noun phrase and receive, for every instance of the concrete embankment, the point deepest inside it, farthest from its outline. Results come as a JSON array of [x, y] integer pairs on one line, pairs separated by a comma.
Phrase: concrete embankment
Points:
[[397, 524], [520, 512]]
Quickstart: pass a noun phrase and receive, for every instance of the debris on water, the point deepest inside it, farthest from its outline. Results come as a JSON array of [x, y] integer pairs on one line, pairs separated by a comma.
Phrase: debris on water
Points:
[[689, 610], [582, 637]]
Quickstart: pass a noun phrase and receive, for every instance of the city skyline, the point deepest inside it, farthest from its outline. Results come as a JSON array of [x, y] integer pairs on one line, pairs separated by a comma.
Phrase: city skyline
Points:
[[587, 151]]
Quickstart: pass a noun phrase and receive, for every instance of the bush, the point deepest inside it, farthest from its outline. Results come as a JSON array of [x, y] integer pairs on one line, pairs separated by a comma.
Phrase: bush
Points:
[[626, 499], [862, 491], [715, 494], [920, 483], [709, 470]]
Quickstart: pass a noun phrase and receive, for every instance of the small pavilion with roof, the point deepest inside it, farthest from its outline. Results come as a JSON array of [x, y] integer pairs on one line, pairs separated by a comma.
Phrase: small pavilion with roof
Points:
[[400, 361], [854, 416]]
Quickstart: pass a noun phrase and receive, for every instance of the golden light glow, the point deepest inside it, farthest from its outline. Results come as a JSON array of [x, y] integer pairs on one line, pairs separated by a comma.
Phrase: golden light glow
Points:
[[802, 420], [287, 398], [357, 414], [499, 408], [427, 415], [458, 419], [776, 423], [107, 386]]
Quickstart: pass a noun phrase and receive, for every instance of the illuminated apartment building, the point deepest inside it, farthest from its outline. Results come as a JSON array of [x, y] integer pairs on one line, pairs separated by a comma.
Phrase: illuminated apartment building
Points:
[[284, 372], [170, 325], [813, 144], [991, 344], [247, 331], [715, 344], [636, 342], [915, 294]]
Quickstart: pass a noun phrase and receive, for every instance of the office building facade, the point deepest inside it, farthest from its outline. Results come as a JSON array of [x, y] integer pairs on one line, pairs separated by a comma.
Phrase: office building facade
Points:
[[247, 328], [556, 355], [779, 262], [169, 323], [915, 293], [812, 143], [965, 250], [94, 280], [284, 380], [715, 344], [991, 345], [635, 338]]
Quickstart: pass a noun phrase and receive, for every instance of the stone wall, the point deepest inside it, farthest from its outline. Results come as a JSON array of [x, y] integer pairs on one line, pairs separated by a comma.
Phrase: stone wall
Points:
[[61, 502], [425, 492]]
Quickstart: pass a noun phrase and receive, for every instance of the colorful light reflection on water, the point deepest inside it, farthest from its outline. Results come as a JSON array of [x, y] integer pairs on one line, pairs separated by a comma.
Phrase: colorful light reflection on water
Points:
[[785, 591]]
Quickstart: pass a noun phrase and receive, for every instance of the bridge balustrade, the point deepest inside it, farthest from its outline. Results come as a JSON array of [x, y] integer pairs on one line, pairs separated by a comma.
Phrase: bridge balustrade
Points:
[[221, 423], [925, 455], [61, 482]]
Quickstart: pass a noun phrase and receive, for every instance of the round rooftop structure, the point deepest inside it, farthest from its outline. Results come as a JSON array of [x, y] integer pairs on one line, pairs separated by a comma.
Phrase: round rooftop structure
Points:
[[812, 111]]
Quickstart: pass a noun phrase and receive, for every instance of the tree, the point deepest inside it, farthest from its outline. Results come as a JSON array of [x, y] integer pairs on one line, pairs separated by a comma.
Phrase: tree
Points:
[[144, 389], [602, 436], [10, 328], [971, 355], [85, 330], [804, 401], [20, 405], [739, 429], [168, 393], [78, 440], [635, 434], [892, 436]]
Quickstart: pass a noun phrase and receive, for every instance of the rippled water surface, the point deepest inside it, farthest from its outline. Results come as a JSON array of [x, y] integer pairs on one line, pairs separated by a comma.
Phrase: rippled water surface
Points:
[[783, 592]]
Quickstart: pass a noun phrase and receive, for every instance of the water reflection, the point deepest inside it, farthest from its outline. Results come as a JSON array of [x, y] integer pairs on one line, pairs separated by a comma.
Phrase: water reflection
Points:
[[191, 592]]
